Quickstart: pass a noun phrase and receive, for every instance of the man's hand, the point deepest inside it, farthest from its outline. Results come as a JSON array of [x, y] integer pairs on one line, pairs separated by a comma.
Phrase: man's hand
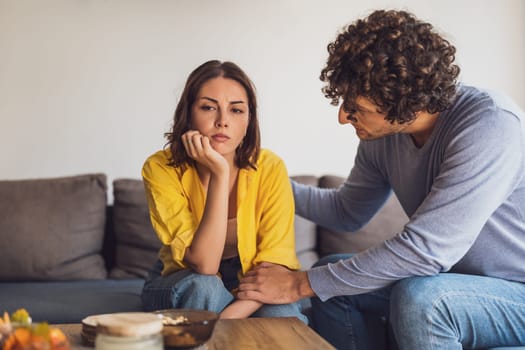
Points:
[[274, 284]]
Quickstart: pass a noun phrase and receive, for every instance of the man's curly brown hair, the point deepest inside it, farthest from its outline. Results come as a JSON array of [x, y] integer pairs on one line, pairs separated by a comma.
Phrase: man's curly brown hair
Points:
[[395, 60]]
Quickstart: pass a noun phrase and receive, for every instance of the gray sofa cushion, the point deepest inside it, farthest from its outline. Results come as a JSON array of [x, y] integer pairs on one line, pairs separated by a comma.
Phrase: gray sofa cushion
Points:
[[306, 231], [389, 221], [52, 229], [71, 301], [137, 244]]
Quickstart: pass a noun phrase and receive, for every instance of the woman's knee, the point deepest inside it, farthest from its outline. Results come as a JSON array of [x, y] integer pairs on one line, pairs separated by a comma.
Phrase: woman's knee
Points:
[[200, 284], [282, 310], [180, 289], [202, 292]]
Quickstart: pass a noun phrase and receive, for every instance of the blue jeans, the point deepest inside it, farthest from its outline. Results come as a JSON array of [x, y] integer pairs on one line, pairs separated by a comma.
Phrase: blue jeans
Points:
[[447, 311], [190, 290]]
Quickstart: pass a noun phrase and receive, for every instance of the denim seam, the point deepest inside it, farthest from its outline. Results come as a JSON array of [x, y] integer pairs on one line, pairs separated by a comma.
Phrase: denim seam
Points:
[[349, 326]]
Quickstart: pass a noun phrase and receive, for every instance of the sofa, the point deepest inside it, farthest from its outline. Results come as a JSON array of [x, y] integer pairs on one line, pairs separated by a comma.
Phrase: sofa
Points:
[[67, 254]]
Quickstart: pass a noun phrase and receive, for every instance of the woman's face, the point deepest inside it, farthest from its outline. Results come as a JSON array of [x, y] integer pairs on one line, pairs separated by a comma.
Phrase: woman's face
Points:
[[221, 113]]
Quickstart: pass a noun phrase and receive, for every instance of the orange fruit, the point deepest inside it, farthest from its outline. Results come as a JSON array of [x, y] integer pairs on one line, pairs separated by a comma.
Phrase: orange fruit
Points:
[[58, 340]]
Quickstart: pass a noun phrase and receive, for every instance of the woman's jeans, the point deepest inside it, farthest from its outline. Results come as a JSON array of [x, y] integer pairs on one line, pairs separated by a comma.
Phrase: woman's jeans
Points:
[[190, 290], [447, 311]]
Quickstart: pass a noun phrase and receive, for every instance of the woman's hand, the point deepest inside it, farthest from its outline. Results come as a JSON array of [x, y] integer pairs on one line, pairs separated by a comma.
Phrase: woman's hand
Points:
[[199, 148]]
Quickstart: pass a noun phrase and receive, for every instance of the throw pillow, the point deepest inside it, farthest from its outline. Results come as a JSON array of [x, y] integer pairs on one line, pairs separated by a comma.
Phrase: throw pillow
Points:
[[305, 230], [52, 229], [137, 244]]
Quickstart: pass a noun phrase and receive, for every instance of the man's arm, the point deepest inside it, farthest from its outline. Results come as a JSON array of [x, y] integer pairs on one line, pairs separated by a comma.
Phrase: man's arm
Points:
[[348, 207]]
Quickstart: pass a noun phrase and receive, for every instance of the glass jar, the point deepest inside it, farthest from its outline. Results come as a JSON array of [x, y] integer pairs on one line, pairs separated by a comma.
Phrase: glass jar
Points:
[[111, 342], [129, 331]]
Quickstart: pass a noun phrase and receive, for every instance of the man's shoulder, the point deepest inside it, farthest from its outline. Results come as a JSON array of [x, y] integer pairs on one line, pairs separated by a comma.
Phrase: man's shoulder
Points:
[[486, 100]]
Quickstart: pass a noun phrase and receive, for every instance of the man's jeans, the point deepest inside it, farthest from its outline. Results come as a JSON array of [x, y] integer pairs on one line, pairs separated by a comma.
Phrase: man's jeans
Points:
[[447, 311], [190, 290]]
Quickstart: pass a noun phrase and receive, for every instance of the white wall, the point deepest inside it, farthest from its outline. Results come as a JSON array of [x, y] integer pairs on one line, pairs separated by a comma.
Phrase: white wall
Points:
[[91, 85]]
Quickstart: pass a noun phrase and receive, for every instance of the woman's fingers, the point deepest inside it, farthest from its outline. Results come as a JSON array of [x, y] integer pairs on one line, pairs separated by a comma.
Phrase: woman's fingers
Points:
[[192, 143], [198, 146], [200, 149], [196, 143]]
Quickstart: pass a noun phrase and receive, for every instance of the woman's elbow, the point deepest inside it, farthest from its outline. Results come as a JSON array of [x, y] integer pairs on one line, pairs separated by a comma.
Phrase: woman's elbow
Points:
[[205, 270]]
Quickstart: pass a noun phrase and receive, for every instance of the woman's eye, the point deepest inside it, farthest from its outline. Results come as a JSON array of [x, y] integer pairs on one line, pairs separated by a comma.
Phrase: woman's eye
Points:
[[237, 111], [207, 108]]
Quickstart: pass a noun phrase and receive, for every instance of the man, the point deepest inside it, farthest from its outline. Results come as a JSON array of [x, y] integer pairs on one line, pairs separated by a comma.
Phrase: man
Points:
[[455, 157]]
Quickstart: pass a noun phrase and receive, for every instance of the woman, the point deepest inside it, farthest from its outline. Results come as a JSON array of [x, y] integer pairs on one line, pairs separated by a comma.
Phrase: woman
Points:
[[218, 203]]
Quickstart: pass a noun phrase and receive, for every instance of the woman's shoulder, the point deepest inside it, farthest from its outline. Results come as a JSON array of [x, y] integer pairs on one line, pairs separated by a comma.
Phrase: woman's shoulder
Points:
[[158, 162], [161, 158], [268, 158]]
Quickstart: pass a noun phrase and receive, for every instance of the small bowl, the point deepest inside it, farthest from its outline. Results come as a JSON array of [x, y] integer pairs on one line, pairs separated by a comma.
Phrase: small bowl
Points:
[[195, 330]]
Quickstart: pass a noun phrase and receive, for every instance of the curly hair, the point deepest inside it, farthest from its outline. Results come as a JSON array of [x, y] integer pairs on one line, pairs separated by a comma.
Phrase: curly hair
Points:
[[396, 61], [247, 153]]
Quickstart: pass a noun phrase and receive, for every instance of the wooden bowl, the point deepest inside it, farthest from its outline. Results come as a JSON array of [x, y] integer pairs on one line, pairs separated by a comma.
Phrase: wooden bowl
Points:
[[186, 328]]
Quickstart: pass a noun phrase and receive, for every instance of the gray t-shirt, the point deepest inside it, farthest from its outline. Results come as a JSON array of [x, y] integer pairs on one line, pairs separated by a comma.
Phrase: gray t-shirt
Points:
[[464, 192]]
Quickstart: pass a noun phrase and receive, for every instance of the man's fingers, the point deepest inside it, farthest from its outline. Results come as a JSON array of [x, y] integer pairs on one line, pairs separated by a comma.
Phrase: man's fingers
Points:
[[251, 295], [249, 277], [249, 273], [264, 264], [248, 284]]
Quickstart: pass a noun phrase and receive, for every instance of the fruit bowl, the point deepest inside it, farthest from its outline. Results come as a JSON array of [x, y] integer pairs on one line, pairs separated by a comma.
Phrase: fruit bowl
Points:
[[186, 328], [18, 332]]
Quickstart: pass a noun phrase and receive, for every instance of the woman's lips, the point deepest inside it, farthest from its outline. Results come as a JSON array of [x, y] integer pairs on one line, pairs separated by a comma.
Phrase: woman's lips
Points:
[[220, 138]]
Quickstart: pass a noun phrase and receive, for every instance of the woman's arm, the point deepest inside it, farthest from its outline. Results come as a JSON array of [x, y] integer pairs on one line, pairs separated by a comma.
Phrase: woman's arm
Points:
[[240, 309], [205, 252]]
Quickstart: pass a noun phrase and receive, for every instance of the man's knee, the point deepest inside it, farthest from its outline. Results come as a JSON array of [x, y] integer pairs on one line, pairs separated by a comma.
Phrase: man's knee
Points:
[[415, 299], [412, 291]]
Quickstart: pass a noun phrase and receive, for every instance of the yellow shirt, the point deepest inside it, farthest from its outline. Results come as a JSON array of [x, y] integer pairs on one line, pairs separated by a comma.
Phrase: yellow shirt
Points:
[[265, 211]]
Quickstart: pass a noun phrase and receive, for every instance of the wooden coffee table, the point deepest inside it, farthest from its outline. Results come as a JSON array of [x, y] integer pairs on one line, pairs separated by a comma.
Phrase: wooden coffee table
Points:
[[252, 333]]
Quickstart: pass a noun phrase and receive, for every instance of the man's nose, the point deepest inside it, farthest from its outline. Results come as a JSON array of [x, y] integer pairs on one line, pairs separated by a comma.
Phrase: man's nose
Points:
[[345, 117]]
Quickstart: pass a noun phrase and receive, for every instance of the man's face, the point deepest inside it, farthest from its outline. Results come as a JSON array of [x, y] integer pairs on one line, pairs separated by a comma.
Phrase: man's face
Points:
[[368, 121]]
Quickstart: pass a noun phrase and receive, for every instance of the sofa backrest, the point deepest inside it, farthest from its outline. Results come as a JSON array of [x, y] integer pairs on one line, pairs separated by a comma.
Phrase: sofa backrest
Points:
[[52, 229], [136, 245], [62, 229]]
